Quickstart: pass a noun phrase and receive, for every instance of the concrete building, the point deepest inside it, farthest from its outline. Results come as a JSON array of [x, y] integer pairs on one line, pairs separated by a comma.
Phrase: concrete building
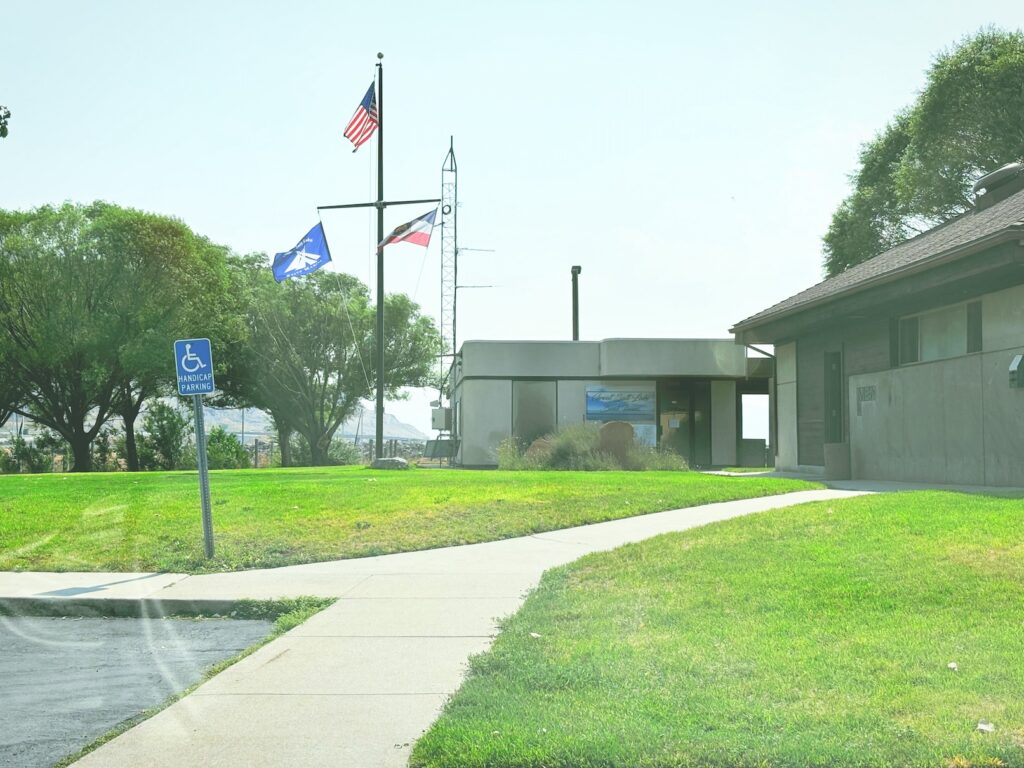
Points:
[[681, 394], [904, 367]]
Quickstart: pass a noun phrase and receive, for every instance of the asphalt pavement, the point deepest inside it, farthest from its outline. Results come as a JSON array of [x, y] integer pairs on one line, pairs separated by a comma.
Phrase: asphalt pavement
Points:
[[66, 681]]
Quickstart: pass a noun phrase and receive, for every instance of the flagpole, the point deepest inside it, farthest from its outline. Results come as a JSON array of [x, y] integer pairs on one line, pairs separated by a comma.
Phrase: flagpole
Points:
[[378, 445]]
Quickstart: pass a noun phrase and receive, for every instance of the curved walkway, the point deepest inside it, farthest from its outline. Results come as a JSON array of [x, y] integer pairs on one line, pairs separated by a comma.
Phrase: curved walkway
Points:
[[358, 683]]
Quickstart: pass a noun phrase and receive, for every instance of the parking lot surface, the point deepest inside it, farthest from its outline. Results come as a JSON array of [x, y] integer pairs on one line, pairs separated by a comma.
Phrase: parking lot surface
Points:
[[66, 681]]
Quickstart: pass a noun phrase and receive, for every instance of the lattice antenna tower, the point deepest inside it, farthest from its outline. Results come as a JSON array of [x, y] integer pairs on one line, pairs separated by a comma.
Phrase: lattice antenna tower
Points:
[[449, 261]]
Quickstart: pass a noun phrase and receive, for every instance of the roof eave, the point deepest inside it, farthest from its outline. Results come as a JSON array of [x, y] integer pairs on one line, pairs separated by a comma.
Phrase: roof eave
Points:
[[1012, 232]]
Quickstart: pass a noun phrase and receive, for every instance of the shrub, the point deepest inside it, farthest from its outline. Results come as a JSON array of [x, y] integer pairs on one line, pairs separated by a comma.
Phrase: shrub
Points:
[[344, 452], [578, 447], [33, 458], [104, 451], [163, 442], [512, 456], [225, 451], [646, 457]]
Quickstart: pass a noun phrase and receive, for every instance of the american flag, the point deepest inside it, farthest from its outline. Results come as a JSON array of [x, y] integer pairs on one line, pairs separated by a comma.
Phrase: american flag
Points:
[[364, 122]]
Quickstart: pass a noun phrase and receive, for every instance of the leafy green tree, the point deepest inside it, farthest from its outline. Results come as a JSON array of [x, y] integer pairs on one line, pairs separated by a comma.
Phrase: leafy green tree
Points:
[[35, 456], [58, 322], [166, 433], [104, 451], [90, 299], [225, 451], [26, 457], [8, 395], [284, 441], [5, 115], [873, 218], [174, 285], [919, 171], [309, 357]]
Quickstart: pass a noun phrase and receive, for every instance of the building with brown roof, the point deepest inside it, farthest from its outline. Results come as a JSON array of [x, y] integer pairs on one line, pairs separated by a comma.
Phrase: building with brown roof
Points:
[[904, 367]]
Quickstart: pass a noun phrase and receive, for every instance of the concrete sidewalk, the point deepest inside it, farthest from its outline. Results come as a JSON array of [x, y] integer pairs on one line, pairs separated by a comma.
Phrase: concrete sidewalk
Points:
[[357, 684], [879, 486]]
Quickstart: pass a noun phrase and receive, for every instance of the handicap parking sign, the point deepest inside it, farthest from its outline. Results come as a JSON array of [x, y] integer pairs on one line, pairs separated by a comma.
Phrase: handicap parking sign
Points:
[[194, 361]]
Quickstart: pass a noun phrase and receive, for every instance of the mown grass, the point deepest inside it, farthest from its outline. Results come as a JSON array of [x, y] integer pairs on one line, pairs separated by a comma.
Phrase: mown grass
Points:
[[267, 518], [818, 635]]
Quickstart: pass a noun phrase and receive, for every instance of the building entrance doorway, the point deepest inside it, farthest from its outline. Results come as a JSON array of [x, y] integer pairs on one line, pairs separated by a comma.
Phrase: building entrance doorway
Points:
[[684, 423]]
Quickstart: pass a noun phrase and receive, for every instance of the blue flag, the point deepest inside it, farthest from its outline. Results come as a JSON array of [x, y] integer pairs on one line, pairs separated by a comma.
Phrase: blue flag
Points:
[[308, 255]]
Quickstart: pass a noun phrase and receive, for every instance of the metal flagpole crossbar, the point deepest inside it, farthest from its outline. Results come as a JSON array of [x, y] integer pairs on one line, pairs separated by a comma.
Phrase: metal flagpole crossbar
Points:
[[380, 204]]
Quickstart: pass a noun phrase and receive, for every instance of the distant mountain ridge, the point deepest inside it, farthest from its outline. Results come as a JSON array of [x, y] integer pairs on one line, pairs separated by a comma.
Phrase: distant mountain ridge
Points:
[[257, 424], [361, 424]]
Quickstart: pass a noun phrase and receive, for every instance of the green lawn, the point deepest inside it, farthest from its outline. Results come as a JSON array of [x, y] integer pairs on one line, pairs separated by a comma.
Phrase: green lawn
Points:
[[264, 518], [818, 635]]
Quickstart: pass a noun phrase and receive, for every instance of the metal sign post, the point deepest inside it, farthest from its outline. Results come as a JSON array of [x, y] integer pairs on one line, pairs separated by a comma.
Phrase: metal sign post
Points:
[[193, 360]]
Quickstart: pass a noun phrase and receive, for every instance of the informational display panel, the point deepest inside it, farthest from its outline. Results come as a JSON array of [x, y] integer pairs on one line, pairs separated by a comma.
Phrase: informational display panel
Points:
[[634, 402]]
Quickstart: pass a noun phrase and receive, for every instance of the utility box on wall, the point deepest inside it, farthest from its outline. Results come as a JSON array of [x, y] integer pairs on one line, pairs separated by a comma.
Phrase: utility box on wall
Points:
[[1017, 372], [441, 419]]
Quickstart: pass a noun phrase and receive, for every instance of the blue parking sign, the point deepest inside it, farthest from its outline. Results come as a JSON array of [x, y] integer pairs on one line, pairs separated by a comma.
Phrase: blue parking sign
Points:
[[194, 361]]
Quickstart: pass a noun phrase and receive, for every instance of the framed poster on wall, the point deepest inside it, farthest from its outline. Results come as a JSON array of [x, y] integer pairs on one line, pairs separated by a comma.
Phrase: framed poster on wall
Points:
[[634, 402]]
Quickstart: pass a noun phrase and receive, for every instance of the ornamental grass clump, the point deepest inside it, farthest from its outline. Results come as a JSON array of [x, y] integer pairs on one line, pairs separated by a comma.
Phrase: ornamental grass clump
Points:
[[579, 448]]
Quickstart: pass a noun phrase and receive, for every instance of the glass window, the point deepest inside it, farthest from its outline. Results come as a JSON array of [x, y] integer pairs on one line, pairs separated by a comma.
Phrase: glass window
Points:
[[908, 340], [974, 327], [941, 334]]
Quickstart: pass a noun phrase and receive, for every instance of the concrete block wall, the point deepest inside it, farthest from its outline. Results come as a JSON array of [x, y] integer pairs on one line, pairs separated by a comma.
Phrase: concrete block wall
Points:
[[947, 421], [950, 421]]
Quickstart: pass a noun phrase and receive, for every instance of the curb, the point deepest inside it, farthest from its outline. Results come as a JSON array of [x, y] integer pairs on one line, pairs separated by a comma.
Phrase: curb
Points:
[[116, 607]]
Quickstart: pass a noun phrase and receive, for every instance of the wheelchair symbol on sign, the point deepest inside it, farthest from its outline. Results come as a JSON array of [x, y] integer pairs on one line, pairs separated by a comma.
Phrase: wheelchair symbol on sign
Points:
[[190, 362]]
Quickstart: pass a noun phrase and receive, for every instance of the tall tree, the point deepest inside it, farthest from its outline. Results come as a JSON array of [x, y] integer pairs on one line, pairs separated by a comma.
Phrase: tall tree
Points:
[[173, 284], [309, 358], [87, 297], [968, 121], [8, 394]]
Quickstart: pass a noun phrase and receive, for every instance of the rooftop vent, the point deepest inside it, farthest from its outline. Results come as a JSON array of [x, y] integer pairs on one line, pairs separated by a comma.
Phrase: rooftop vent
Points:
[[998, 185]]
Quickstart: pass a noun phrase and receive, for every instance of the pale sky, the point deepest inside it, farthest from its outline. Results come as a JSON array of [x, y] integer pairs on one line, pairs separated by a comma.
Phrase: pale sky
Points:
[[688, 156]]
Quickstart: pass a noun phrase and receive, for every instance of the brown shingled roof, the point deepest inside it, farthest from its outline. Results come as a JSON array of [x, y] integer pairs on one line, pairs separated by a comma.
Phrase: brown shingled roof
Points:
[[942, 240]]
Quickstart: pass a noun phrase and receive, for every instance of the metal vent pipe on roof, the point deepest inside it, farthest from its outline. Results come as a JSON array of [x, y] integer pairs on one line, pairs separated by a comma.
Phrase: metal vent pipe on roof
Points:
[[998, 185], [576, 303]]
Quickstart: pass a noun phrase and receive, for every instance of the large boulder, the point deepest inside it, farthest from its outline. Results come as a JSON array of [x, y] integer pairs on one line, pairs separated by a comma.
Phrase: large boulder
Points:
[[392, 463]]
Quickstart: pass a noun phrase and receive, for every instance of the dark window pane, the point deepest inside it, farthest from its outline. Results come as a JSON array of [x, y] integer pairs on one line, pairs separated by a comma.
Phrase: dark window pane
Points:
[[908, 340], [974, 327], [533, 409], [894, 342]]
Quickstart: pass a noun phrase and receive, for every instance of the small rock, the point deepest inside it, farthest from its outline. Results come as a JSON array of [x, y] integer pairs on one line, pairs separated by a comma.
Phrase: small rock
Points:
[[952, 665], [534, 635], [985, 726], [392, 463]]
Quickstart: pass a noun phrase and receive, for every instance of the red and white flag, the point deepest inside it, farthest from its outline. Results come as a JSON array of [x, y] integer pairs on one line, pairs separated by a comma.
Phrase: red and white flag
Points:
[[416, 231], [364, 122]]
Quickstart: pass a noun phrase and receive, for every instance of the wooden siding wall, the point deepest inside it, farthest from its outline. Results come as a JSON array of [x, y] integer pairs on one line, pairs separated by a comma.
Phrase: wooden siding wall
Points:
[[865, 349]]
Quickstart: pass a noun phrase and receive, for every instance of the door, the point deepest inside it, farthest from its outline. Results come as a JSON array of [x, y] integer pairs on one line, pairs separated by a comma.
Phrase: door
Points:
[[674, 417], [684, 419], [833, 397]]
